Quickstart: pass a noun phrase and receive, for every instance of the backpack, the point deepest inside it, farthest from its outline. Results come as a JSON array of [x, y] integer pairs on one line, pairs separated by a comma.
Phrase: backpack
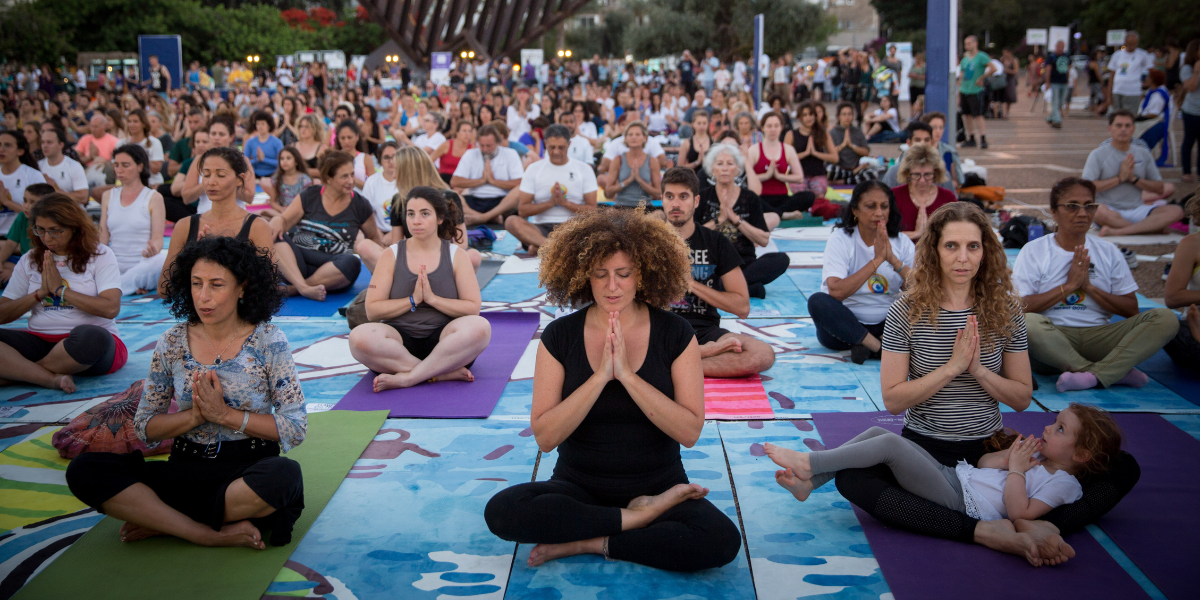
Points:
[[1015, 232]]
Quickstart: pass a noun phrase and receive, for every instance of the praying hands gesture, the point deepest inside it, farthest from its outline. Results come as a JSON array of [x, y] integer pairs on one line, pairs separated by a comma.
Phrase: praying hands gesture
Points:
[[883, 249], [558, 194], [208, 399], [1126, 172], [966, 349], [1020, 454], [613, 363], [6, 200], [1077, 276], [51, 277], [258, 154]]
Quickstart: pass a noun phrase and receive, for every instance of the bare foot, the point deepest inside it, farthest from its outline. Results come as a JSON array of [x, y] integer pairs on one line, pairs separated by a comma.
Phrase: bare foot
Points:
[[131, 532], [1050, 545], [800, 488], [1001, 535], [790, 459], [456, 375], [388, 381], [729, 344], [542, 553], [61, 382], [1106, 230], [643, 510], [242, 533], [316, 292]]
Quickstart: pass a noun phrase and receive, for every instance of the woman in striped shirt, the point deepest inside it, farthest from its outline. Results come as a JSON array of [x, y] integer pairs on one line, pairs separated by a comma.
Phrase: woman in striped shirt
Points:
[[954, 348]]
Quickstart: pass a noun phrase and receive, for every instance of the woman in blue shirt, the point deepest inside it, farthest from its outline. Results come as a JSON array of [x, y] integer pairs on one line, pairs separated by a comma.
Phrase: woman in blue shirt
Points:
[[263, 148]]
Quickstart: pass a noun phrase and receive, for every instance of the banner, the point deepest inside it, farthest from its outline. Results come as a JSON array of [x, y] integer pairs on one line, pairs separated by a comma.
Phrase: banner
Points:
[[1116, 37], [756, 90], [1036, 37], [439, 71]]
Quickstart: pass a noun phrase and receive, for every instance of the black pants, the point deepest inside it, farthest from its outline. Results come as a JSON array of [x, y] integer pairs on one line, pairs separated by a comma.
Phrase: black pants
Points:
[[837, 327], [1184, 349], [876, 491], [780, 204], [194, 486], [763, 270], [176, 208], [90, 345], [309, 261], [691, 536]]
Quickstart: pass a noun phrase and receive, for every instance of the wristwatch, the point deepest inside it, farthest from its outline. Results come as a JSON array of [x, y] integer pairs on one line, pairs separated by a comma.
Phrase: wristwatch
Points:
[[1136, 179]]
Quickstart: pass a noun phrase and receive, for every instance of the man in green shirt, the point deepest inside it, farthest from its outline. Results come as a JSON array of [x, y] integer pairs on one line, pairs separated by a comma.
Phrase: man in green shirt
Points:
[[18, 242], [182, 150], [973, 70]]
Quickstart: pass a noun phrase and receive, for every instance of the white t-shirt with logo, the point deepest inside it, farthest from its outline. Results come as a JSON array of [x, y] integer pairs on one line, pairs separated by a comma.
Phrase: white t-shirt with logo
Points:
[[68, 174], [540, 179], [506, 166], [1043, 265], [15, 183], [846, 254], [379, 192], [1128, 69], [59, 317]]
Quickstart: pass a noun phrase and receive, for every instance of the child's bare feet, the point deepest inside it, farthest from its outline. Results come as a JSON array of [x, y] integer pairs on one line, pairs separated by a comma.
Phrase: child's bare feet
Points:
[[131, 532], [800, 488], [1001, 535], [643, 510], [790, 459]]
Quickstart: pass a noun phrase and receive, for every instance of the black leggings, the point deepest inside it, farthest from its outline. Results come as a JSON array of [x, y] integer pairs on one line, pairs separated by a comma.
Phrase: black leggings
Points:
[[194, 486], [691, 536], [837, 327], [89, 345], [763, 270], [310, 260], [876, 491], [176, 208], [780, 204]]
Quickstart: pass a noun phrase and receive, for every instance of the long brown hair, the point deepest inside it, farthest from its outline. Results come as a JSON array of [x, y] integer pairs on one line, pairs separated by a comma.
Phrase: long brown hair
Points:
[[85, 238], [996, 303], [818, 130], [1098, 434]]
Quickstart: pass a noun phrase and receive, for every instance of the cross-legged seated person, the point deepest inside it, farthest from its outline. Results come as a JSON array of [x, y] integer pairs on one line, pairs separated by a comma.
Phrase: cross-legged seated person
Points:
[[72, 285], [866, 265], [617, 389], [132, 219], [717, 283], [1124, 173], [948, 377], [423, 302], [552, 190], [317, 254], [1071, 285], [488, 172], [240, 404], [1182, 291], [737, 213]]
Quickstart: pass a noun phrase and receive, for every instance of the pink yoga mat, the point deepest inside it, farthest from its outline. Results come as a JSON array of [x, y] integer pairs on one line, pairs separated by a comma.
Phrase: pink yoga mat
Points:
[[511, 333], [736, 399], [919, 567]]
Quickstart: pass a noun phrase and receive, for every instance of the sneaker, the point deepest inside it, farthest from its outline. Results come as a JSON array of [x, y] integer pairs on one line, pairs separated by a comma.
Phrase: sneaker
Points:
[[970, 143], [1166, 271], [1130, 257], [983, 143]]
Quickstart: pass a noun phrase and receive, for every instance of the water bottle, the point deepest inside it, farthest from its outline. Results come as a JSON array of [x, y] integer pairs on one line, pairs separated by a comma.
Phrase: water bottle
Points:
[[1035, 231]]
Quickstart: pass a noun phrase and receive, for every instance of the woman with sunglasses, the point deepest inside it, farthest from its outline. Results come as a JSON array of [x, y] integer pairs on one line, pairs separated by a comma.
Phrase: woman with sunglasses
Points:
[[1071, 285], [920, 172], [70, 284]]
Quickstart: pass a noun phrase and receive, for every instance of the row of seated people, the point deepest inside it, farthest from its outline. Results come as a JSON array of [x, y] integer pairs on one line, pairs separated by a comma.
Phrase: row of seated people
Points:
[[618, 389]]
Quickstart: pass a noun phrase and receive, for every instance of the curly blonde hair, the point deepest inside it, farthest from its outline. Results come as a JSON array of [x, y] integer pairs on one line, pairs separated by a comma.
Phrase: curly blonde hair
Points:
[[580, 245], [996, 302], [920, 156]]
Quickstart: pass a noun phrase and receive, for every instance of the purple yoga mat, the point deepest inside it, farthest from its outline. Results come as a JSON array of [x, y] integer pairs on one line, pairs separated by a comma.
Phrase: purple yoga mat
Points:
[[1158, 523], [919, 567], [511, 333]]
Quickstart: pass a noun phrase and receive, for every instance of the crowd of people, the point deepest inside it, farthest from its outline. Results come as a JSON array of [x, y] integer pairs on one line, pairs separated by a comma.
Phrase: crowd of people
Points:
[[283, 191]]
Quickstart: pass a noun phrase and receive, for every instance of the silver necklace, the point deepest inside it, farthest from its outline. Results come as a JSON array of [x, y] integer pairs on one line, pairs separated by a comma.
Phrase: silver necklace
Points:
[[204, 330]]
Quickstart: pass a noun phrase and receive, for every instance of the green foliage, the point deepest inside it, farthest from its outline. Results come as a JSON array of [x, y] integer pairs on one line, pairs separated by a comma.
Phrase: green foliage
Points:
[[726, 26], [1154, 20], [45, 30], [606, 40]]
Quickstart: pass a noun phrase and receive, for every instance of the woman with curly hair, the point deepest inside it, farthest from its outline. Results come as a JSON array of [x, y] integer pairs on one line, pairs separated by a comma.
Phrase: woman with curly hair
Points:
[[72, 284], [618, 387], [423, 301], [240, 405]]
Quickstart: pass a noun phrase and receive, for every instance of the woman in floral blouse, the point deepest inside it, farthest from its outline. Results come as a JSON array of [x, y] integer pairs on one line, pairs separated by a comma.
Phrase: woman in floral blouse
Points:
[[240, 405]]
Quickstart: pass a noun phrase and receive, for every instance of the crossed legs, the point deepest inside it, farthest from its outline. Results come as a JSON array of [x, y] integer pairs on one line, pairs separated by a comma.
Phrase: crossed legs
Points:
[[736, 355], [381, 348]]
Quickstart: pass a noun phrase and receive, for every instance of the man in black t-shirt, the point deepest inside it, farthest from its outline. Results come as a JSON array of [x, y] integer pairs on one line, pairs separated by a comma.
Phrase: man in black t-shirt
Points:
[[717, 283], [1058, 77]]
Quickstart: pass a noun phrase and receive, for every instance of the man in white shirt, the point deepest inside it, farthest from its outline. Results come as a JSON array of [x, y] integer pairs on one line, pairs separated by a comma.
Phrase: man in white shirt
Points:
[[65, 173], [553, 190], [580, 148], [1129, 65], [491, 172], [739, 76]]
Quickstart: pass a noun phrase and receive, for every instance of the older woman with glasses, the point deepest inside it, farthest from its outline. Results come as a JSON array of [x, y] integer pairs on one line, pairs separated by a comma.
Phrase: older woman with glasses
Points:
[[921, 170], [1071, 285]]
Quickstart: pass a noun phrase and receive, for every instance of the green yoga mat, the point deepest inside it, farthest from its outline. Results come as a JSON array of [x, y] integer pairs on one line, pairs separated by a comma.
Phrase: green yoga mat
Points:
[[99, 565]]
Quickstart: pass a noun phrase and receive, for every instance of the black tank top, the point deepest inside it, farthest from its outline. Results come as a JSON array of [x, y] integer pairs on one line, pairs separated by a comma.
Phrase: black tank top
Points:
[[244, 234], [810, 165], [616, 445], [692, 155]]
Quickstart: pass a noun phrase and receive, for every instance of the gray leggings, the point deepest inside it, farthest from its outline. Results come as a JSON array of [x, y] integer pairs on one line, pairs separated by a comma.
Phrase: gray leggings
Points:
[[915, 469]]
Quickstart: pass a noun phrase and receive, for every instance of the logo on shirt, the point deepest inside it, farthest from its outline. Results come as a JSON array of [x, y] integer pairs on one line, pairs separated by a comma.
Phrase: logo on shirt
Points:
[[59, 302], [878, 284], [1074, 298]]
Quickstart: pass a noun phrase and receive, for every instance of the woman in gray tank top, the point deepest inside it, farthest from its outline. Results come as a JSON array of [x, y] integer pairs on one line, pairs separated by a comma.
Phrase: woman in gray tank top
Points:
[[423, 302], [631, 185]]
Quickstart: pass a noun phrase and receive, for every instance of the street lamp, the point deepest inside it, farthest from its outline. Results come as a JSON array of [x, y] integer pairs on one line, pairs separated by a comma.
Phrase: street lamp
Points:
[[568, 54], [561, 53], [470, 54]]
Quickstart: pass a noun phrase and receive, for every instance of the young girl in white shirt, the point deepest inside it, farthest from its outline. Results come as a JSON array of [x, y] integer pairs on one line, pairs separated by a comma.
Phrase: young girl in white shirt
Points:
[[1008, 484]]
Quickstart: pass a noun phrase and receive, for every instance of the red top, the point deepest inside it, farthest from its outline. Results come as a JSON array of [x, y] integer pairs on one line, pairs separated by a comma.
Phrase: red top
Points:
[[908, 210], [772, 186], [448, 163]]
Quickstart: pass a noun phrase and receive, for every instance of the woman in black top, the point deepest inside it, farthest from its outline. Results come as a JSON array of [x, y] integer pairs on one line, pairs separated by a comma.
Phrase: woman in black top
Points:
[[618, 387], [738, 214], [317, 256], [814, 148], [693, 149]]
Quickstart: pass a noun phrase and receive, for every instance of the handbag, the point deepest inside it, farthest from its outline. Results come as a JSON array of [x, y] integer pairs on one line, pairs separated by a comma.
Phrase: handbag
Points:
[[108, 427]]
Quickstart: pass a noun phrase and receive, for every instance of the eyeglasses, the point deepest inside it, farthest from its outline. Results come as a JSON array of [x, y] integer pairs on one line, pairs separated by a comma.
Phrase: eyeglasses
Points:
[[1074, 208], [53, 233], [922, 176]]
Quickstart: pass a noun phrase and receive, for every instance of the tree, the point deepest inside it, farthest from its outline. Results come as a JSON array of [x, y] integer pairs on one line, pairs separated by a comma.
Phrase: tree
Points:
[[791, 25]]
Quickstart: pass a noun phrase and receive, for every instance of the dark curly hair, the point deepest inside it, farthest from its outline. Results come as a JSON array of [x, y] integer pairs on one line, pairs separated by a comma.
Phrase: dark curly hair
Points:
[[580, 245], [251, 266], [849, 221]]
